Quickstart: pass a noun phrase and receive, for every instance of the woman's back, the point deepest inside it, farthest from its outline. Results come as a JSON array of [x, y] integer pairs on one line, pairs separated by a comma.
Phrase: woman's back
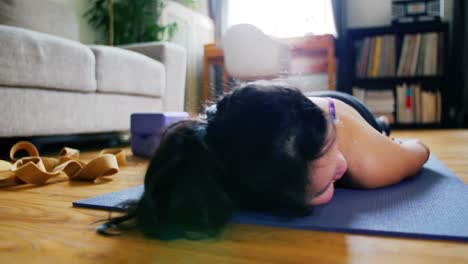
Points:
[[373, 159]]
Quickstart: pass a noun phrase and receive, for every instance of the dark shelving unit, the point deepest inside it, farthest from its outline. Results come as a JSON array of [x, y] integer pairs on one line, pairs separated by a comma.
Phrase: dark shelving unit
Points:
[[428, 82]]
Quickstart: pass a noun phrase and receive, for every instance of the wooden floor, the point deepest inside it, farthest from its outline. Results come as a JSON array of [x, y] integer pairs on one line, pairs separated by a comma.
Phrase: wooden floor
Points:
[[39, 225]]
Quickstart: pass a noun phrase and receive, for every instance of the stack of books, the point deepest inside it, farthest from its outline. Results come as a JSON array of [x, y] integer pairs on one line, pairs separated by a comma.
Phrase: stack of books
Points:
[[379, 102]]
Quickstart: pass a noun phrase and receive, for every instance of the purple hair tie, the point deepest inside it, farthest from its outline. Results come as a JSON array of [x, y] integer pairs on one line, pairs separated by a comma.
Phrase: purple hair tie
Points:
[[332, 110]]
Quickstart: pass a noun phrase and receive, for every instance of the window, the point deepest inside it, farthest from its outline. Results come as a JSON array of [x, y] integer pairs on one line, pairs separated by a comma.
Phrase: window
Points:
[[285, 18]]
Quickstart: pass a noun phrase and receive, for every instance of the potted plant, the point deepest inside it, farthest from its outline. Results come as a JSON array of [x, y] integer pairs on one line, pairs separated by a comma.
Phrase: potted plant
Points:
[[129, 21]]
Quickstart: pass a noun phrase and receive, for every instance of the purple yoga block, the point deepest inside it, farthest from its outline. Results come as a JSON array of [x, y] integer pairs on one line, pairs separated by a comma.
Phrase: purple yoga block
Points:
[[147, 128]]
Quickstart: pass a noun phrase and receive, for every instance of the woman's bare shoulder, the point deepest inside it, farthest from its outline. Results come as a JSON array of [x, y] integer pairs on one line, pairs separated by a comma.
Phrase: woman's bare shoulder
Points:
[[374, 160]]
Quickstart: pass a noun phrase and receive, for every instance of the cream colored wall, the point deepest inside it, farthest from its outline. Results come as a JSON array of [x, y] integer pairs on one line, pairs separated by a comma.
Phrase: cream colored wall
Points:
[[371, 13], [87, 33], [194, 31]]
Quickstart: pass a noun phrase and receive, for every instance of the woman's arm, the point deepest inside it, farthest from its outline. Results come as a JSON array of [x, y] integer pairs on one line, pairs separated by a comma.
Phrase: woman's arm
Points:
[[373, 159]]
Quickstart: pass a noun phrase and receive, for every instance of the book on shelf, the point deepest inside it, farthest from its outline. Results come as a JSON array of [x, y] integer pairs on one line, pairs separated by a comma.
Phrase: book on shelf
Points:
[[404, 54], [370, 59], [414, 56], [376, 56], [364, 51]]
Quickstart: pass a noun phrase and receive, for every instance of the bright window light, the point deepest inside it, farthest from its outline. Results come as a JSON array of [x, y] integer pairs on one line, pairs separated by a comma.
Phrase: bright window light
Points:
[[285, 18]]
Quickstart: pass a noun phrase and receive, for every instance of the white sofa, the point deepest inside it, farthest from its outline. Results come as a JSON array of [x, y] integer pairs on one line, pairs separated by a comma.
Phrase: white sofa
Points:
[[51, 84]]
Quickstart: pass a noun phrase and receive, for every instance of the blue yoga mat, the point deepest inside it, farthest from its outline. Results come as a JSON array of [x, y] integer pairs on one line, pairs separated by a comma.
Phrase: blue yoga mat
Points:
[[433, 205]]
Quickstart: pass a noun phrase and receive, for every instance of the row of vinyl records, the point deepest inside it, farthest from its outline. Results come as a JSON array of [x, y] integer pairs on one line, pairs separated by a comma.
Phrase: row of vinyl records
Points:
[[421, 55], [218, 85], [216, 81], [412, 104]]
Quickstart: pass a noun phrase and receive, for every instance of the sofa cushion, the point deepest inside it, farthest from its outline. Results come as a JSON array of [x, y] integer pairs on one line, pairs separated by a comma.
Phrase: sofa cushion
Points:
[[38, 112], [127, 72], [33, 59], [44, 16]]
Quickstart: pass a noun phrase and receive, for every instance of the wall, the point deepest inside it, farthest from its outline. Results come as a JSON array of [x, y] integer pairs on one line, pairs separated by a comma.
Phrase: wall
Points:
[[201, 6], [87, 33], [370, 13], [194, 31]]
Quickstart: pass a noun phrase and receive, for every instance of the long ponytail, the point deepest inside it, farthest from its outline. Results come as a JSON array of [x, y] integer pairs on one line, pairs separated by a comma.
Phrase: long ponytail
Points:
[[182, 197]]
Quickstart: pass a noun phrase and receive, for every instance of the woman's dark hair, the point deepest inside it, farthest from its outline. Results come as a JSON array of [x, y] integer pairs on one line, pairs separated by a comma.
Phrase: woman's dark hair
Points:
[[252, 152]]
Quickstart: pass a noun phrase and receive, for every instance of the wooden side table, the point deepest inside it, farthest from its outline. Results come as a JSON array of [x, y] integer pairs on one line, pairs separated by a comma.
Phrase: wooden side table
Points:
[[320, 50], [309, 54], [212, 55]]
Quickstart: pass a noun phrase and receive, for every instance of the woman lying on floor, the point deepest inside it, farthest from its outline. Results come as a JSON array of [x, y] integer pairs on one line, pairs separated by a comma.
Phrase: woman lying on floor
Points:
[[263, 147]]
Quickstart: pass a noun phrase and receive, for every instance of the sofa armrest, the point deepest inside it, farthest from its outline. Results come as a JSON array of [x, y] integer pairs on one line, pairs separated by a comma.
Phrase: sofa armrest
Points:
[[174, 59]]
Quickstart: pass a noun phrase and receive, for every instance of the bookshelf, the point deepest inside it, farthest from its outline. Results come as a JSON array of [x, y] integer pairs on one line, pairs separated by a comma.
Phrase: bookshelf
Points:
[[401, 71]]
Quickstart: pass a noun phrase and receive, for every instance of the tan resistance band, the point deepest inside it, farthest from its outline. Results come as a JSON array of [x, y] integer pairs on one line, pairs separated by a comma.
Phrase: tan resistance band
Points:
[[37, 170]]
